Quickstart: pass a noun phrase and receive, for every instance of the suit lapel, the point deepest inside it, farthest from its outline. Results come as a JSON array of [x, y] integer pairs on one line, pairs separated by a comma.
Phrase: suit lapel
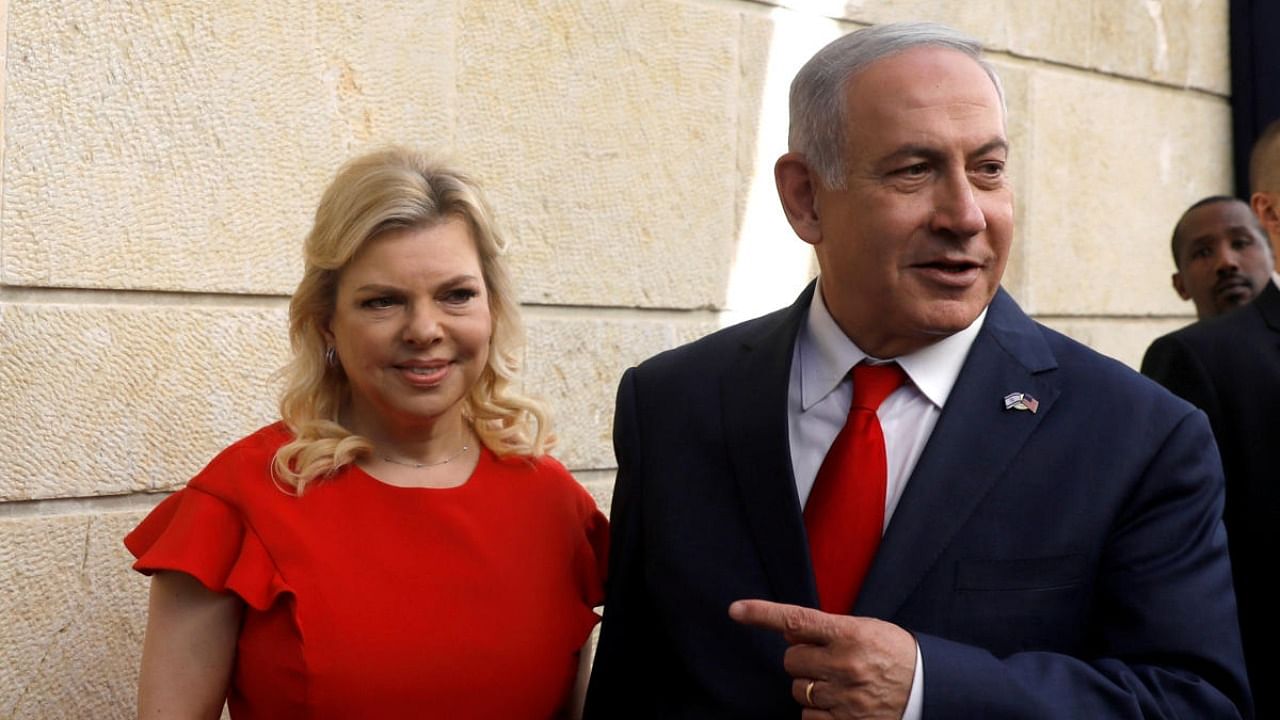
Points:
[[754, 403], [971, 448]]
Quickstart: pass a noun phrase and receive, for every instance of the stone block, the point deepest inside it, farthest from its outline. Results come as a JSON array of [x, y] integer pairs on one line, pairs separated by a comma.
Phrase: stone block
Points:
[[1125, 339], [74, 617], [605, 134], [1114, 164], [574, 365], [183, 146], [1183, 43], [114, 399]]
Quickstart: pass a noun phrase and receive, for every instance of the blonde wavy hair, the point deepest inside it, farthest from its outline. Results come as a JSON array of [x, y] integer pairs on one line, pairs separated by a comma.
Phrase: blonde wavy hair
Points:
[[392, 189]]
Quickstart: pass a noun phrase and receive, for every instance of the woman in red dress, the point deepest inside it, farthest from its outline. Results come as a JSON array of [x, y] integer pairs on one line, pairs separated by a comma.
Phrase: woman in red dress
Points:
[[399, 544]]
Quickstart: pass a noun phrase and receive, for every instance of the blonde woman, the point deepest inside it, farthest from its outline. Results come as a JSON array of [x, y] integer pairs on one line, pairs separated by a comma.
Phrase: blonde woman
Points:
[[399, 544]]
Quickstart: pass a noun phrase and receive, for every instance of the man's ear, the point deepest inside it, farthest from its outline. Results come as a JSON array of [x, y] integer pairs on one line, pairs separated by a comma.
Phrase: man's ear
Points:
[[1259, 202], [799, 194], [1266, 205], [1180, 287]]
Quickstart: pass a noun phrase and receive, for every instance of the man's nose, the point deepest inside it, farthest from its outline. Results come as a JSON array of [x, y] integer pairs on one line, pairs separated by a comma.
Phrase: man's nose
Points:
[[1228, 262], [956, 209]]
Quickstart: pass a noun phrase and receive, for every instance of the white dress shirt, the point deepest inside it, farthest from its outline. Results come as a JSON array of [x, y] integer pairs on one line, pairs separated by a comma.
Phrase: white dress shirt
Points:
[[818, 400]]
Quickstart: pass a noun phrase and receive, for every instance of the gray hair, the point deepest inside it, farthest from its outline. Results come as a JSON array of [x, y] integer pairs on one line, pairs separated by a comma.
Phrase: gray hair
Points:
[[819, 114]]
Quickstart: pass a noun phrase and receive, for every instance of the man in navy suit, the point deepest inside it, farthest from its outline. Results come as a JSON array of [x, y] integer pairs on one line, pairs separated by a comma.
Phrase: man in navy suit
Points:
[[1052, 544]]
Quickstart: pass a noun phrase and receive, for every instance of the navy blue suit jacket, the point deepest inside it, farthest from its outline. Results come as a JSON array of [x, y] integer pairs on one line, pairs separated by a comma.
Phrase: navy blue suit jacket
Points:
[[1229, 367], [1067, 563]]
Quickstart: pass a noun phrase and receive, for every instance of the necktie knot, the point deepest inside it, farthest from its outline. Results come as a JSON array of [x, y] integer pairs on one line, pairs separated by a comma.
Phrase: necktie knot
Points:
[[873, 383]]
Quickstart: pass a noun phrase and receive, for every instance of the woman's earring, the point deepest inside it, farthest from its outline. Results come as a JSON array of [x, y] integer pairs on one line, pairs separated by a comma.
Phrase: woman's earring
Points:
[[331, 357]]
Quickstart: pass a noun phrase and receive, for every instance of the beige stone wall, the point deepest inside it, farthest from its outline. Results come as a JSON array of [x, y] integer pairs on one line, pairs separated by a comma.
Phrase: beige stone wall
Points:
[[161, 161]]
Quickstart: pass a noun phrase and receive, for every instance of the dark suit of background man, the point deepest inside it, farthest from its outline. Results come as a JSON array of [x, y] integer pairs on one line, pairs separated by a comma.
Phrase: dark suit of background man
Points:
[[1229, 367], [1053, 545]]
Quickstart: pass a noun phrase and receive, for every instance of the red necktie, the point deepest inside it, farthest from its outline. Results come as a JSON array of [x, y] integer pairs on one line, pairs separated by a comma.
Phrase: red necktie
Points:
[[844, 515]]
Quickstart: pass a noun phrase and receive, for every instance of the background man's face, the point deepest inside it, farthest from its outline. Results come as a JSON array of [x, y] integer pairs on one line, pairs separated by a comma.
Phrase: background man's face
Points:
[[1223, 260], [914, 248]]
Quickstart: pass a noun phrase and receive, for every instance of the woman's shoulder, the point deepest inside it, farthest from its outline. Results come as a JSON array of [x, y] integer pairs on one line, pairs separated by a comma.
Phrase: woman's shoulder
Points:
[[246, 461], [538, 468], [546, 476]]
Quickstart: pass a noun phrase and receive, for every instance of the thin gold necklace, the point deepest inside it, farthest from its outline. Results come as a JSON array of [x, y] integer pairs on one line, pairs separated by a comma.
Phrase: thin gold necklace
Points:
[[419, 466]]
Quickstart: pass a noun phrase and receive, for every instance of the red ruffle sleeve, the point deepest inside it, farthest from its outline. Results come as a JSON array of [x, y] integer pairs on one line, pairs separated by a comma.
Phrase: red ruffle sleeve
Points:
[[199, 534]]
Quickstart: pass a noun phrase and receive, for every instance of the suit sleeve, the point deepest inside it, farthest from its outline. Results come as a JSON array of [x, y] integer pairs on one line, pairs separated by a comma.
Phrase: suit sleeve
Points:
[[1162, 639], [626, 656]]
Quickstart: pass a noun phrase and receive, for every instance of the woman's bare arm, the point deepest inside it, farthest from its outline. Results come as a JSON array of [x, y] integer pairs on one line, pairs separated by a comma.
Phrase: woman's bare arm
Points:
[[189, 648], [585, 656]]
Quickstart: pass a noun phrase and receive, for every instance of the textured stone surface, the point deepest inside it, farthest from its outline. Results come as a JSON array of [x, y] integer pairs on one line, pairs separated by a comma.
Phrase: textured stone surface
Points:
[[574, 365], [605, 134], [1123, 339], [184, 145], [1114, 164], [1183, 43], [74, 616], [112, 399]]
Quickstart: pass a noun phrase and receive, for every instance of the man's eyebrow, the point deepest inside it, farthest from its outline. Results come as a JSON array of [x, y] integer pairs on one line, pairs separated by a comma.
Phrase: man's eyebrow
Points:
[[1248, 229], [903, 152], [992, 146], [927, 152]]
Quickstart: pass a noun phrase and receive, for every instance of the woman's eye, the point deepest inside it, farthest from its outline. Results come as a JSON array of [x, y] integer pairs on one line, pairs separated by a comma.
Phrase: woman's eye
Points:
[[460, 296], [378, 303]]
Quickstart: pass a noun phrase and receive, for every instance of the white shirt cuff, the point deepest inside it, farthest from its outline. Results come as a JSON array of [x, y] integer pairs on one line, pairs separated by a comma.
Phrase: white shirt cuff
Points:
[[915, 701]]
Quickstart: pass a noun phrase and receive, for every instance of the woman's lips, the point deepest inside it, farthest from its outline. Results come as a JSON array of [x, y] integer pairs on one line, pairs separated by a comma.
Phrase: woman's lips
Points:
[[424, 374]]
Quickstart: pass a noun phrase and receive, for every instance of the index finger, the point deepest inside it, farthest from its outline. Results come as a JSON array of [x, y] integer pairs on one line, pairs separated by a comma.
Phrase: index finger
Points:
[[797, 624]]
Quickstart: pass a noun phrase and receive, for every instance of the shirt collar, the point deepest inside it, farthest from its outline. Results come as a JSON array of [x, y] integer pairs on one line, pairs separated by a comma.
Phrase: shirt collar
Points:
[[827, 354]]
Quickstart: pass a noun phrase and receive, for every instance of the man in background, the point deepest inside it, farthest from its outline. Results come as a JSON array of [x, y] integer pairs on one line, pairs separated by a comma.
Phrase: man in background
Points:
[[901, 496], [1221, 255], [1229, 366]]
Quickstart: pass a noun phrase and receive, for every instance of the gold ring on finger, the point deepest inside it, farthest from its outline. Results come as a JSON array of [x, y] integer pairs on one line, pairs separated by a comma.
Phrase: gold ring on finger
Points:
[[808, 693]]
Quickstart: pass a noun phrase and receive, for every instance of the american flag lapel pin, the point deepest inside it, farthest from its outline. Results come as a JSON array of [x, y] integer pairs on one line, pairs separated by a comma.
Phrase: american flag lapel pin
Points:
[[1020, 401]]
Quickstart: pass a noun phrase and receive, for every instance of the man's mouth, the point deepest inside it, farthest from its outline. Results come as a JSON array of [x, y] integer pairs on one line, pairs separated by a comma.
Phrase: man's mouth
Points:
[[1233, 284], [951, 266], [947, 273]]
